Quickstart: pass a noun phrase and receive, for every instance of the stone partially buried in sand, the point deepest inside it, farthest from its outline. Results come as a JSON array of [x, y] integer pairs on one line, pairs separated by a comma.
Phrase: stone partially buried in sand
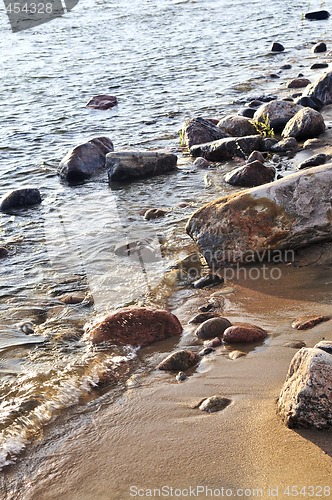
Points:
[[137, 326], [214, 404], [244, 333], [306, 322], [179, 361]]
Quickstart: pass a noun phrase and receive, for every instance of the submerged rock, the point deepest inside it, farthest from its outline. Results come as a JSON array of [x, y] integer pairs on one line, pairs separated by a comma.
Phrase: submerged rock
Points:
[[277, 47], [317, 15], [243, 333], [155, 213], [237, 126], [199, 130], [251, 174], [85, 160], [292, 212], [307, 123], [137, 326], [296, 344], [306, 397], [127, 166], [102, 101], [212, 328], [321, 89], [20, 198], [319, 47], [225, 149], [214, 404], [307, 322], [278, 113], [236, 354], [179, 361]]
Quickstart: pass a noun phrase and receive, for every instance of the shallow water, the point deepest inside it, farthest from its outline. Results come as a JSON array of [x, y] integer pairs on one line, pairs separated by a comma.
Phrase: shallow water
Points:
[[165, 61]]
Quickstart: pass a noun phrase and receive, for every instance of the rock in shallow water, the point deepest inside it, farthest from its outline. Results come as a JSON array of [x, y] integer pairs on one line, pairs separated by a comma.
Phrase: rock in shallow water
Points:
[[212, 328], [199, 130], [137, 326], [20, 198], [243, 333], [124, 166], [251, 174], [179, 361], [102, 101], [321, 88], [304, 323], [306, 397], [228, 148]]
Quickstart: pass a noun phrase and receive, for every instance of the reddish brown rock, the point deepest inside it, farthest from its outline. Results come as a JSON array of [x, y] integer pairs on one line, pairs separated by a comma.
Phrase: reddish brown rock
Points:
[[179, 360], [298, 83], [212, 328], [306, 322], [137, 326], [243, 333], [102, 102]]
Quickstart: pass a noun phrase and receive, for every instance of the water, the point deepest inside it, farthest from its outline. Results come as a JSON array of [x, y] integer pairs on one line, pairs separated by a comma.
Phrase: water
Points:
[[165, 61]]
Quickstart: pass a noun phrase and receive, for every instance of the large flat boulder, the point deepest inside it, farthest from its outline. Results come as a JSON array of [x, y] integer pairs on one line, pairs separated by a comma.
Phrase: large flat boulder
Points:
[[306, 397], [125, 166], [286, 214], [225, 149]]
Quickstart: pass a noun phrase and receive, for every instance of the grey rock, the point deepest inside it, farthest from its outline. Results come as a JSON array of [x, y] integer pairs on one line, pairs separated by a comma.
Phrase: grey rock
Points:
[[237, 126], [179, 361], [251, 174], [313, 161], [20, 198], [287, 145], [199, 130], [321, 88], [295, 344], [225, 149], [155, 213], [212, 328], [306, 397], [202, 163], [127, 166], [278, 112], [307, 123], [201, 317], [286, 214], [181, 377], [325, 345], [214, 404]]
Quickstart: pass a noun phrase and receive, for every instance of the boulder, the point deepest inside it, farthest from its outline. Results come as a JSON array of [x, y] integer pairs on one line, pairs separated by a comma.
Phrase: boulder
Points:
[[237, 126], [201, 317], [212, 328], [290, 213], [325, 345], [310, 102], [319, 65], [287, 145], [137, 326], [102, 102], [319, 47], [155, 213], [298, 83], [317, 15], [202, 163], [313, 161], [307, 123], [251, 174], [306, 397], [199, 130], [277, 47], [179, 361], [20, 198], [85, 160], [247, 112], [278, 112], [243, 333], [127, 166], [306, 322], [225, 149], [321, 89]]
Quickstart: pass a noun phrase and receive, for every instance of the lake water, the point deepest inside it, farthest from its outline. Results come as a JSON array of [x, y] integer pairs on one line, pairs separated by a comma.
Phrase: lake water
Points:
[[165, 60]]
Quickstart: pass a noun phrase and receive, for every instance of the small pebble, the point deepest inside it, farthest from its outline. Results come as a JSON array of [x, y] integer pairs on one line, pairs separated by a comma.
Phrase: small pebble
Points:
[[27, 328], [206, 351], [296, 344], [214, 404], [216, 342], [236, 354], [181, 376]]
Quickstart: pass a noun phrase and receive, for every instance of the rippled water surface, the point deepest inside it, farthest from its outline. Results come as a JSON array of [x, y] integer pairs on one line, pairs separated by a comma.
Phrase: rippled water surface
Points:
[[165, 60]]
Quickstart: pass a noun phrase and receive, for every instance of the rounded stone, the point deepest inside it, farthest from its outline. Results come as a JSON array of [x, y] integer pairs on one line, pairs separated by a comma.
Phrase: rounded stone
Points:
[[212, 328], [201, 317], [179, 361], [214, 404], [244, 333]]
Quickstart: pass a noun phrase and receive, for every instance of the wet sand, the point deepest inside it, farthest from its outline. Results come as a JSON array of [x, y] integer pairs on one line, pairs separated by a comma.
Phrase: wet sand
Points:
[[150, 436]]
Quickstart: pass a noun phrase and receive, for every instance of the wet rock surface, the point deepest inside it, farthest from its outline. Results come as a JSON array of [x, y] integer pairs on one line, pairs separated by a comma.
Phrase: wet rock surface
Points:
[[20, 198], [201, 317], [212, 328], [228, 148], [125, 166], [179, 361], [243, 333], [251, 174], [313, 161], [307, 322], [102, 101]]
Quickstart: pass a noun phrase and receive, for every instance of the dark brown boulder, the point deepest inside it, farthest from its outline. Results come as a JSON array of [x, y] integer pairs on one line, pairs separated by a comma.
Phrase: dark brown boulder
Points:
[[85, 160], [137, 326], [102, 102], [237, 126], [199, 131], [321, 89], [225, 149], [20, 198], [251, 174], [298, 83], [127, 166], [243, 333], [212, 328], [313, 161], [179, 361]]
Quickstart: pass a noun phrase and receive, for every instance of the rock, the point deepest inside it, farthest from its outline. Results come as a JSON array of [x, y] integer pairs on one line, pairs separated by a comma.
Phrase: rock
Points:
[[278, 112], [236, 354], [181, 377], [269, 142], [208, 281], [127, 166], [306, 322], [277, 47], [247, 112], [144, 250], [306, 397], [321, 89], [225, 149], [206, 351], [202, 163], [206, 308], [310, 102], [256, 155], [212, 328], [201, 317], [307, 123], [243, 333], [313, 161], [179, 361], [237, 126], [251, 174], [20, 198], [102, 102], [155, 213], [325, 345], [319, 47], [27, 328], [311, 143], [216, 342], [298, 83], [296, 344], [199, 131], [319, 65], [137, 326], [3, 252], [318, 15], [85, 160], [286, 66], [214, 403], [287, 145], [73, 298], [292, 212]]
